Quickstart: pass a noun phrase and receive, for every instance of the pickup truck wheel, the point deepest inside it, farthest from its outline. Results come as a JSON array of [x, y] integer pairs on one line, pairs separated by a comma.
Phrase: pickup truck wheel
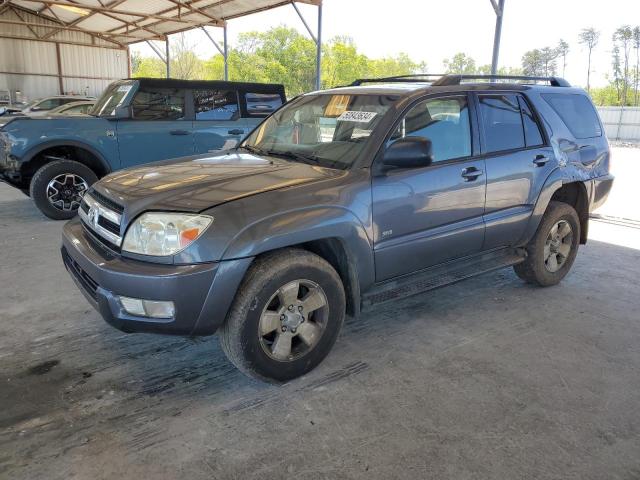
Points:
[[57, 188], [286, 316], [554, 247]]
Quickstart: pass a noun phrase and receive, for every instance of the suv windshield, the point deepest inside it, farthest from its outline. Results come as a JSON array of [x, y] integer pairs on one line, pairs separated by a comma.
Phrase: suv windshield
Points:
[[326, 129], [111, 98]]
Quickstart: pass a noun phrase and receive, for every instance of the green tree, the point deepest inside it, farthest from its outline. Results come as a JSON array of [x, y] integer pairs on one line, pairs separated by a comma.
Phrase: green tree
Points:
[[548, 58], [623, 40], [636, 46], [149, 67], [563, 50], [460, 64], [589, 37], [533, 63]]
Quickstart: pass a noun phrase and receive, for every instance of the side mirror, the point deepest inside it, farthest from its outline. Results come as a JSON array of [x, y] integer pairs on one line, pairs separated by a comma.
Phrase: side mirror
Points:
[[409, 152], [122, 112]]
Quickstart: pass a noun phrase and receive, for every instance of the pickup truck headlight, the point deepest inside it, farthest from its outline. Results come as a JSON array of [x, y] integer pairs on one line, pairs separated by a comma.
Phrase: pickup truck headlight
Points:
[[164, 234]]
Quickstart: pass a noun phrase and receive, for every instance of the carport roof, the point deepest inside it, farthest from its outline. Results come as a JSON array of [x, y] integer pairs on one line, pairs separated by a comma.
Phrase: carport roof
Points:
[[128, 21]]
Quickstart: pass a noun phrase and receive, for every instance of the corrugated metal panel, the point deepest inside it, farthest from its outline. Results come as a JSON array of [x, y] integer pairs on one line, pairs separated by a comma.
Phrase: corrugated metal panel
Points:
[[30, 86], [621, 123], [83, 86], [93, 62], [24, 56]]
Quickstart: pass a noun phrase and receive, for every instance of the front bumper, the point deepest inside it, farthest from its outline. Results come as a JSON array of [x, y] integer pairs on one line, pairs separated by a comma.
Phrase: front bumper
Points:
[[202, 293]]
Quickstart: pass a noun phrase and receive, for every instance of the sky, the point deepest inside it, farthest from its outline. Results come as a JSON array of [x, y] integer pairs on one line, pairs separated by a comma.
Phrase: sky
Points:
[[432, 31]]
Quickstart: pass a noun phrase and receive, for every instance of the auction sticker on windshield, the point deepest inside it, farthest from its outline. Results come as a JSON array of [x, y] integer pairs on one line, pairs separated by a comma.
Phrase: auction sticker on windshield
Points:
[[353, 116]]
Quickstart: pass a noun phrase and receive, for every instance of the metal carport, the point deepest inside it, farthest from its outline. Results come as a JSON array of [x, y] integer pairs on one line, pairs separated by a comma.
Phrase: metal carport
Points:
[[58, 46]]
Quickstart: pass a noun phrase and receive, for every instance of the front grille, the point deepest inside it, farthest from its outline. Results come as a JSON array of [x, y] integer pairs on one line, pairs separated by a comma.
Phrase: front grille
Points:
[[106, 201], [100, 220], [83, 278], [109, 225]]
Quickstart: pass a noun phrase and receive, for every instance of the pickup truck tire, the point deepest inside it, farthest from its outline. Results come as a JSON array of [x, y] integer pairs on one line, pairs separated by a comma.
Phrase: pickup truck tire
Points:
[[553, 249], [286, 316], [69, 178]]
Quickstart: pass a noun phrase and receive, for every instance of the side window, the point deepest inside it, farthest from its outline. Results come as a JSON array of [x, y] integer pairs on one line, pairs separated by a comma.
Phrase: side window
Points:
[[48, 104], [444, 121], [158, 104], [577, 113], [502, 122], [216, 104], [532, 134], [262, 104]]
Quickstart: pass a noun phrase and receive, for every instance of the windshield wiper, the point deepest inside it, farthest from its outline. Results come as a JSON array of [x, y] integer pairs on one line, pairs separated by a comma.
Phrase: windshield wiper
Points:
[[255, 150], [297, 156]]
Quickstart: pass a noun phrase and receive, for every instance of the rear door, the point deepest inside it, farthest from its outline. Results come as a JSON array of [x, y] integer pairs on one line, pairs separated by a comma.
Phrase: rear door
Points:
[[218, 124], [518, 160], [159, 128], [429, 215]]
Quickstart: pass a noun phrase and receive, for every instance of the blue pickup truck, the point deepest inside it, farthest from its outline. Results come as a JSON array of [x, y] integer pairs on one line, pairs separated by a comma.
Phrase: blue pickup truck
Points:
[[55, 159]]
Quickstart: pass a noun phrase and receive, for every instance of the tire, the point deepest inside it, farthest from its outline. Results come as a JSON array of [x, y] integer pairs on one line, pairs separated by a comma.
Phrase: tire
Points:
[[261, 296], [76, 176], [539, 268]]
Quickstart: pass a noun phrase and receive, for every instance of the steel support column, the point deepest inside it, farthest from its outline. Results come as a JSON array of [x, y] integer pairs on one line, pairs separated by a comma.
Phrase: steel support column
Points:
[[167, 57], [499, 9], [226, 53], [316, 38], [319, 49]]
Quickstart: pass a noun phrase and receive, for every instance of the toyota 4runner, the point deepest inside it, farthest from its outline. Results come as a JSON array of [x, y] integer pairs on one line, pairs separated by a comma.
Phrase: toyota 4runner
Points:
[[340, 200]]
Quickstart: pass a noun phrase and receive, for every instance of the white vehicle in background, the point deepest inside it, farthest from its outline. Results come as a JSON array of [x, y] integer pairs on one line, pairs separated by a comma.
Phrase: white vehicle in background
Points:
[[44, 106], [73, 108]]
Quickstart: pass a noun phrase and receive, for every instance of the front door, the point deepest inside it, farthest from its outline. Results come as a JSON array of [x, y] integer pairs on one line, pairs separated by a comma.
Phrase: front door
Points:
[[158, 130], [218, 124], [429, 215]]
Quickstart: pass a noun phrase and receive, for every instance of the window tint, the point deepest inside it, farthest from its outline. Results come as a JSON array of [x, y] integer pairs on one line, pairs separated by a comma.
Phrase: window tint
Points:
[[158, 104], [444, 121], [577, 112], [48, 104], [262, 104], [502, 122], [532, 134], [216, 104]]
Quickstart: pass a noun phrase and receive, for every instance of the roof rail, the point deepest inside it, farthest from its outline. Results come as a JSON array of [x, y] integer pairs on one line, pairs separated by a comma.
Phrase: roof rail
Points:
[[416, 77], [448, 80]]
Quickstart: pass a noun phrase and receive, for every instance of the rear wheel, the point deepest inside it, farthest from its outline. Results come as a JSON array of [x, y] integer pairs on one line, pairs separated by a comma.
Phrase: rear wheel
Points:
[[57, 188], [286, 316], [553, 249]]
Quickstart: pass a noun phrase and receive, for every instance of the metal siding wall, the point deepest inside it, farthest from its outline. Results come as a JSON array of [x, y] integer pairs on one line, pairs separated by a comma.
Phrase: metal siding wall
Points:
[[25, 56], [30, 86], [84, 86], [621, 124], [93, 62]]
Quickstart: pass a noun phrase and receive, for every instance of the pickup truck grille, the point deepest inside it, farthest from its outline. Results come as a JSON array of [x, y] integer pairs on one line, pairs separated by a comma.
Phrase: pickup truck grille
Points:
[[101, 219]]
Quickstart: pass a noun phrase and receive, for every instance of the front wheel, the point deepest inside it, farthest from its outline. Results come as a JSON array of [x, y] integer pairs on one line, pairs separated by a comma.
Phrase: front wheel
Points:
[[553, 249], [286, 316], [57, 188]]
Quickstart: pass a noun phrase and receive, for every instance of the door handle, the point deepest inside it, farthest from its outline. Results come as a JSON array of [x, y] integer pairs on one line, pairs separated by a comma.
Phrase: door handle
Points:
[[236, 131], [471, 173], [540, 160], [179, 132]]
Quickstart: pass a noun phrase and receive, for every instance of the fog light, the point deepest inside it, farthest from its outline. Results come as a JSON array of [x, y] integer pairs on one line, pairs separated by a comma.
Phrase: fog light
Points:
[[147, 308]]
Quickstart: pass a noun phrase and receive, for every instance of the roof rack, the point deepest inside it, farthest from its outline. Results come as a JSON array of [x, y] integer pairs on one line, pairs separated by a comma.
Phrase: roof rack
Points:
[[417, 77], [448, 80]]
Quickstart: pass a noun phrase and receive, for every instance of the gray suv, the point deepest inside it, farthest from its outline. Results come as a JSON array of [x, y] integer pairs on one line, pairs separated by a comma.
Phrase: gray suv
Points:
[[341, 200]]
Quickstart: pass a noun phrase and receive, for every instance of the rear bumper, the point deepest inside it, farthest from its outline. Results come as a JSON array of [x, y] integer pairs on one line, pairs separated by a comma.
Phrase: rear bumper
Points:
[[202, 293]]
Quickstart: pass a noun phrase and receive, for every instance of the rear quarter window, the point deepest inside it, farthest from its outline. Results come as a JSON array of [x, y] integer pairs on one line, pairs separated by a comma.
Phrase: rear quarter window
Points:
[[577, 113]]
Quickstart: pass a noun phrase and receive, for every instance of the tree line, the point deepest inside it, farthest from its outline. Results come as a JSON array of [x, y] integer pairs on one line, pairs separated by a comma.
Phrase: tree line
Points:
[[283, 55]]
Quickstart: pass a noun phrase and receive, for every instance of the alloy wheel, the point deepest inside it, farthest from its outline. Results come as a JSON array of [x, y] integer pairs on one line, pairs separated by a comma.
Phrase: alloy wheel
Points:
[[293, 320], [558, 246], [65, 191]]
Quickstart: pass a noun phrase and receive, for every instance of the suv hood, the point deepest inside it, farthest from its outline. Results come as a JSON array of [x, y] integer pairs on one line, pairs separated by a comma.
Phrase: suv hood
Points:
[[195, 184]]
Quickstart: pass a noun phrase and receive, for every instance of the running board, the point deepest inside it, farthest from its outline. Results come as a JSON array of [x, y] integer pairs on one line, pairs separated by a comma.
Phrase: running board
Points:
[[442, 275]]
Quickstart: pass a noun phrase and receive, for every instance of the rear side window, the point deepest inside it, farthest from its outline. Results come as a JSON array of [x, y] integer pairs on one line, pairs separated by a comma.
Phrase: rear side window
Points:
[[502, 122], [444, 121], [216, 104], [158, 104], [262, 104], [577, 113], [532, 135]]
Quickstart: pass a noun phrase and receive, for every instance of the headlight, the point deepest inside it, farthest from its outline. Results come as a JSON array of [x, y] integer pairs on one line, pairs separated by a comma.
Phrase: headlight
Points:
[[164, 234]]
